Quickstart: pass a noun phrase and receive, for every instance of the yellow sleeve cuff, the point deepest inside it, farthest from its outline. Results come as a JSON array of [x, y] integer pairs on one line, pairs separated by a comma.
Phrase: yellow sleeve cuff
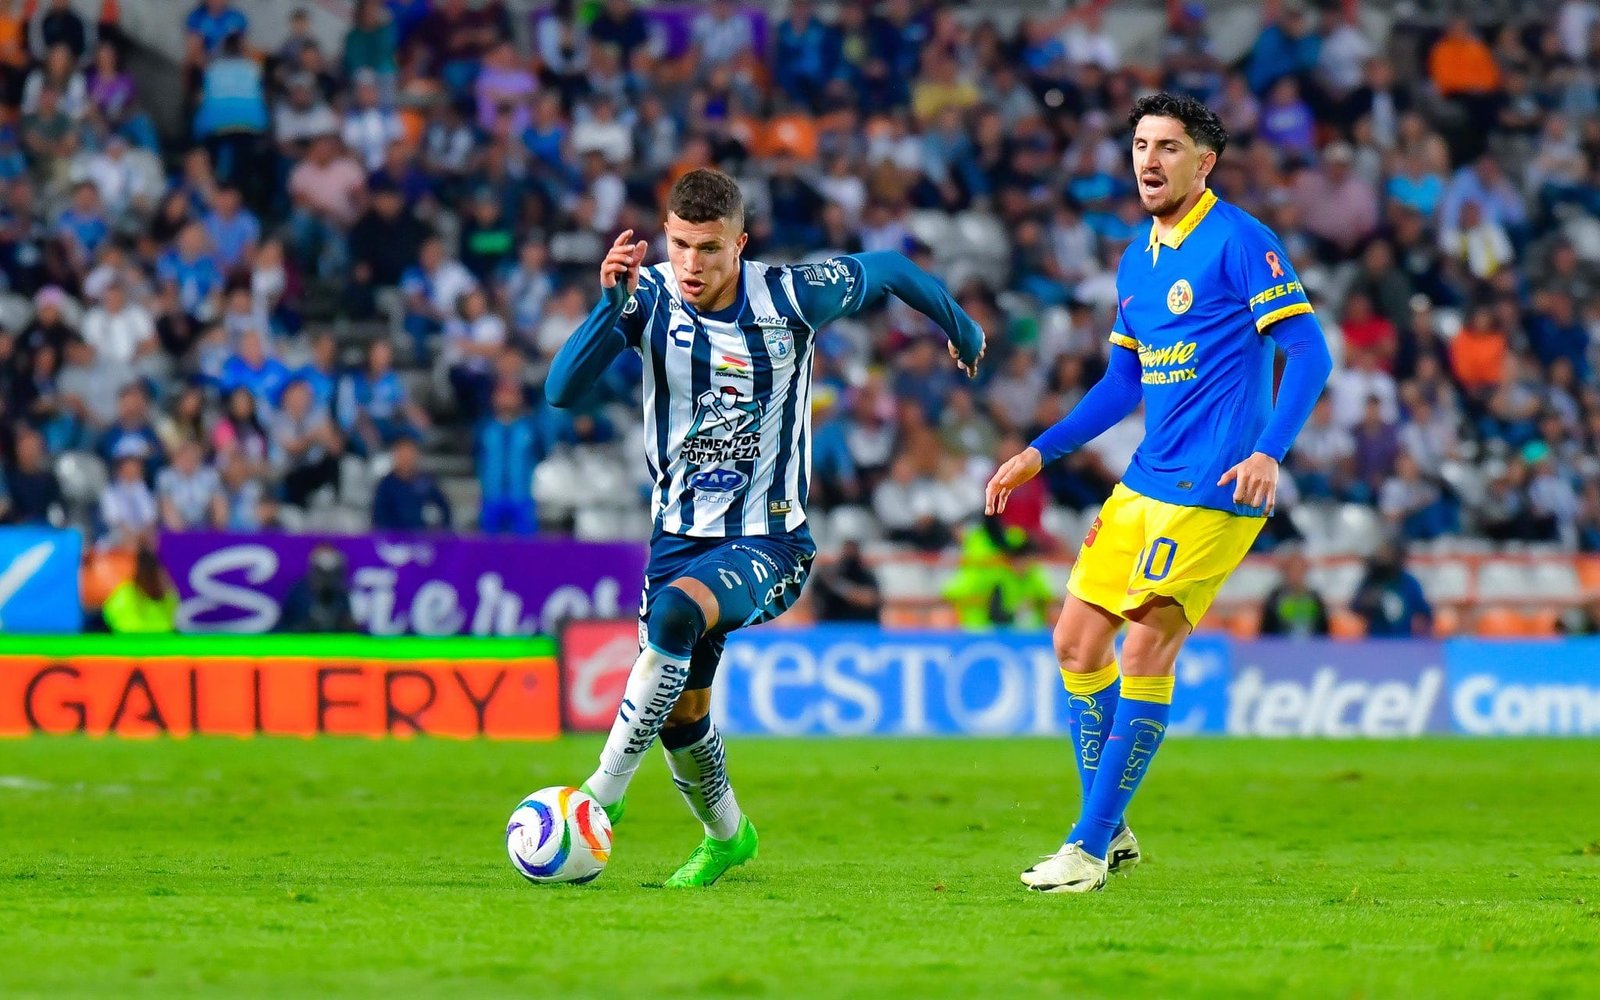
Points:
[[1298, 309], [1123, 340]]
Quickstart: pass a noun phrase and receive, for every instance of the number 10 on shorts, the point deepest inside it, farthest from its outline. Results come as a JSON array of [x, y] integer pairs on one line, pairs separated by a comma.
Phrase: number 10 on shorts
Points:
[[1156, 561]]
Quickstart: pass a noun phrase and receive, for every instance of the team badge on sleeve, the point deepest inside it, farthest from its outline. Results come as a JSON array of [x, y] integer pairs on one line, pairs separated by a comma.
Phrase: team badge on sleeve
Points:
[[1180, 297]]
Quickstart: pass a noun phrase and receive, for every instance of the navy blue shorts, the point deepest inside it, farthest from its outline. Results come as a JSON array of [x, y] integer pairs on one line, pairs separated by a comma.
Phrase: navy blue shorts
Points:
[[755, 579]]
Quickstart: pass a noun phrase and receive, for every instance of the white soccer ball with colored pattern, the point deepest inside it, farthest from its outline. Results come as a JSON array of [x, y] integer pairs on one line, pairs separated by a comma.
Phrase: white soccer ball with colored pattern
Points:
[[558, 834]]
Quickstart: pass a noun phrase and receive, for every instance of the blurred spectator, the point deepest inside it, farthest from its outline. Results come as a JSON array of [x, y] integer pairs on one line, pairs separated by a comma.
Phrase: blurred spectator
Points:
[[1294, 608], [911, 508], [245, 505], [472, 341], [321, 373], [328, 189], [88, 390], [319, 602], [372, 43], [508, 444], [846, 588], [32, 490], [1340, 207], [370, 126], [432, 290], [121, 332], [240, 436], [251, 369], [408, 499], [373, 407], [383, 244], [232, 116], [55, 23], [188, 492], [305, 445], [1478, 354], [997, 582], [1389, 599], [233, 230], [132, 435], [145, 604], [128, 511]]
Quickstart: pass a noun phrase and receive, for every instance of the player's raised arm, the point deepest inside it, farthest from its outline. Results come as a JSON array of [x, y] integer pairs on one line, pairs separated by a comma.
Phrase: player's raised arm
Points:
[[845, 285], [1115, 396], [597, 342]]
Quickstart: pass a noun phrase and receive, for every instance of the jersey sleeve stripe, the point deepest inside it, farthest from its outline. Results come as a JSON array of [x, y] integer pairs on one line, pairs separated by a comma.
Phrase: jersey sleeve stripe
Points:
[[1123, 340], [1298, 309]]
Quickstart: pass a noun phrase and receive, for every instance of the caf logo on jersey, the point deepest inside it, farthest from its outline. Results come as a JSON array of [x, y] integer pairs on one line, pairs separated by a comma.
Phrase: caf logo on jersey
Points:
[[1180, 297]]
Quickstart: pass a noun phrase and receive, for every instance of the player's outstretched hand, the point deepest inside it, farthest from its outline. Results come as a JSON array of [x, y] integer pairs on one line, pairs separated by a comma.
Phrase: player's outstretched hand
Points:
[[1019, 468], [1255, 481], [622, 262], [972, 370]]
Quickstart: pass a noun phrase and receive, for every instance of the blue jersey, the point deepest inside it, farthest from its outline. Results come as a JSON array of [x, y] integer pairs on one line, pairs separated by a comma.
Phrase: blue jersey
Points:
[[727, 394], [1196, 304]]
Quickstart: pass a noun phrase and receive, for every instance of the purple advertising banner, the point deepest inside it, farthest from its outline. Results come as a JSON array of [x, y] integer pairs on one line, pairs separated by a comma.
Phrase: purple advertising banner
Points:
[[407, 584], [1292, 687]]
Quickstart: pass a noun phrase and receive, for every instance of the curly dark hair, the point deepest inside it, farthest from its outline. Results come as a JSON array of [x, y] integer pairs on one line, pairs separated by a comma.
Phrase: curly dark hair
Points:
[[707, 195], [1199, 121]]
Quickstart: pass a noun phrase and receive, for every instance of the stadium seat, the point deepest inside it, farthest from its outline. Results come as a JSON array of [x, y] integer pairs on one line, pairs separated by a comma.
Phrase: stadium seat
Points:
[[1336, 582], [908, 579], [1504, 580], [83, 477], [1556, 578], [1444, 580], [1346, 625], [1252, 581], [1315, 522], [16, 312], [1589, 574], [1357, 529], [1499, 622]]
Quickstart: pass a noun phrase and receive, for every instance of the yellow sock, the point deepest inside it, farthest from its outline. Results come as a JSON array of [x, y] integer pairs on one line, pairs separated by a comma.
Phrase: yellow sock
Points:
[[1156, 689], [1092, 682]]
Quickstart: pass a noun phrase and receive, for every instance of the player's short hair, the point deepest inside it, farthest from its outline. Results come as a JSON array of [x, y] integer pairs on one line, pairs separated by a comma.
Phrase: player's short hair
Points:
[[1199, 121], [707, 195]]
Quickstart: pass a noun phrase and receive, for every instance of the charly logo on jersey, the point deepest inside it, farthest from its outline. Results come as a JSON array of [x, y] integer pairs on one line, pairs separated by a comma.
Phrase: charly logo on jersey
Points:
[[1180, 297], [718, 485], [780, 339]]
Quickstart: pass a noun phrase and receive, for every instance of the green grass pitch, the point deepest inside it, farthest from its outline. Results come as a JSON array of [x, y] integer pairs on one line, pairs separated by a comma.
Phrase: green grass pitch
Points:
[[888, 868]]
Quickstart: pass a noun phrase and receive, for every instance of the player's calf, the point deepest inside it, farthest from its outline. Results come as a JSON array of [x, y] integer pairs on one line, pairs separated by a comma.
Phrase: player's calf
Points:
[[676, 622]]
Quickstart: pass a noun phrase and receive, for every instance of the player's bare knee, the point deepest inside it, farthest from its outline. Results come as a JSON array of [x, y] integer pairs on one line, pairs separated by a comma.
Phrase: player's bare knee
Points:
[[692, 706], [701, 595], [1078, 653]]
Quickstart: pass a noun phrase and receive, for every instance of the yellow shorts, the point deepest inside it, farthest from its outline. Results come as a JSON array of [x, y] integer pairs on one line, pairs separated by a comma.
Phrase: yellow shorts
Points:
[[1140, 547]]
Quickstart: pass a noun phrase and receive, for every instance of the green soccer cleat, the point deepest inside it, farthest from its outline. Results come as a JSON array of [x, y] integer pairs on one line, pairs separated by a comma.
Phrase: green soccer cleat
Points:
[[614, 811], [712, 859]]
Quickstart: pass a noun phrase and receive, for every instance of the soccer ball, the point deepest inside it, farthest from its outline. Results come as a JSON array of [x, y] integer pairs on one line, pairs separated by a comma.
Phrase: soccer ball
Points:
[[559, 834]]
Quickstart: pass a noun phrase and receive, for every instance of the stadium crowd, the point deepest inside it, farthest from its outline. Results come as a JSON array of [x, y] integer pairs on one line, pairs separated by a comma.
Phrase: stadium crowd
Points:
[[372, 252]]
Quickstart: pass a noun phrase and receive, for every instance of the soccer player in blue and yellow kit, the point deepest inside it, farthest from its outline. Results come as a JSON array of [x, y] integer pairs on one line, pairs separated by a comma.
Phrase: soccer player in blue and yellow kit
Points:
[[1203, 303]]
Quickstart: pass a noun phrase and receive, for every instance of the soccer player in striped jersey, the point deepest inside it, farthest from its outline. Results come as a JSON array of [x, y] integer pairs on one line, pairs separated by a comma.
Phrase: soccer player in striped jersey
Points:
[[1202, 305], [727, 346]]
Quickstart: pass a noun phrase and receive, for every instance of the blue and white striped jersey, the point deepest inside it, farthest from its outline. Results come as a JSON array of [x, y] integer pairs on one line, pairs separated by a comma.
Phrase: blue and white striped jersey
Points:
[[727, 394]]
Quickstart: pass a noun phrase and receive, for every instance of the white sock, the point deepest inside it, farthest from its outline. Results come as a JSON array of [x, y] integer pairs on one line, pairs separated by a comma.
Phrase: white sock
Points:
[[700, 771], [653, 688]]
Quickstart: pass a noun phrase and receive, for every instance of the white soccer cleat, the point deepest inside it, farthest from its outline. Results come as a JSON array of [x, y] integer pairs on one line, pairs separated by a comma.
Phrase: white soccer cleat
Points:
[[1123, 853], [1067, 870]]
